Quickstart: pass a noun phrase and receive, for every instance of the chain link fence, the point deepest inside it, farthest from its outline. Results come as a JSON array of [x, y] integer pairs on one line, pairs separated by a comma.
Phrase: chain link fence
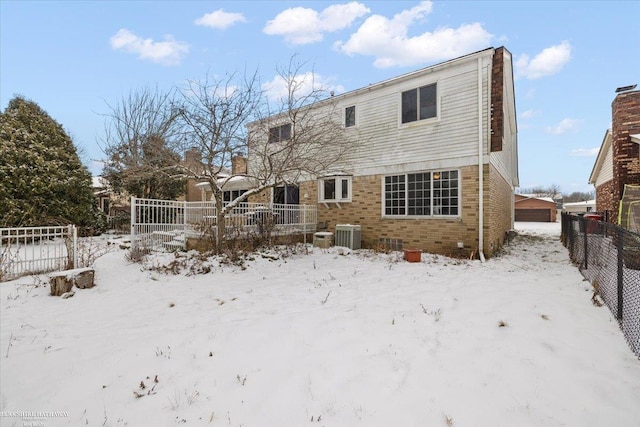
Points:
[[608, 256]]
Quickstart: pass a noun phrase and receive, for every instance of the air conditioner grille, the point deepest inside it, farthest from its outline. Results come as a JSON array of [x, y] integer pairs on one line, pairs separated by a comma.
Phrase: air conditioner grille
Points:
[[348, 235]]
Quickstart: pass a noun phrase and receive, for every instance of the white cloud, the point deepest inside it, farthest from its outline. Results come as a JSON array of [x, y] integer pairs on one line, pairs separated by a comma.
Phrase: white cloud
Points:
[[301, 25], [584, 152], [167, 52], [220, 19], [388, 40], [548, 62], [565, 125], [277, 88], [528, 114]]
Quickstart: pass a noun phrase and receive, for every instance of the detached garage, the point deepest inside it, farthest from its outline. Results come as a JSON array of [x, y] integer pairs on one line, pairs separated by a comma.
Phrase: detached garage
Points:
[[534, 209]]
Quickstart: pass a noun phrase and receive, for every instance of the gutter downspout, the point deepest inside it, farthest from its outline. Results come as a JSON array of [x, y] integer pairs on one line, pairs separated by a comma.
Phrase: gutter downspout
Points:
[[480, 168]]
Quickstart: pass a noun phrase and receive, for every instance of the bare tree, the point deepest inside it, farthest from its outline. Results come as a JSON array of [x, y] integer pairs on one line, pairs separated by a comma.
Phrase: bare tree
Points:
[[301, 137], [141, 142], [579, 196], [552, 191], [214, 114]]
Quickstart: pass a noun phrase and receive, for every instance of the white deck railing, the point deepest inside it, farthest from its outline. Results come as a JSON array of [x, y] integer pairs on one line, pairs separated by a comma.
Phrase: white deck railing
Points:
[[167, 224], [34, 250]]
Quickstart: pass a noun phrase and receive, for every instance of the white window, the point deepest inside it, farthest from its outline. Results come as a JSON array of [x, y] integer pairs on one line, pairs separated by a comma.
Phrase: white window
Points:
[[231, 195], [334, 189], [420, 104], [350, 116], [422, 194], [280, 133]]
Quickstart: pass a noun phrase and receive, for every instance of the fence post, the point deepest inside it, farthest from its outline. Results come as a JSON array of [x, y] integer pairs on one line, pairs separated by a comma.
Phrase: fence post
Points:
[[134, 243], [586, 241], [304, 220], [74, 230], [620, 249], [185, 222]]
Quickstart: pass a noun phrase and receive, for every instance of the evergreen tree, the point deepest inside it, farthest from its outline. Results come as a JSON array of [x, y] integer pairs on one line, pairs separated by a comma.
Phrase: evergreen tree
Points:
[[42, 180]]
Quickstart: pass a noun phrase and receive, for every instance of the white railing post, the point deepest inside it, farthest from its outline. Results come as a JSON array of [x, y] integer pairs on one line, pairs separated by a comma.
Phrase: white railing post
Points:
[[184, 228], [74, 230], [184, 215], [304, 222], [133, 220]]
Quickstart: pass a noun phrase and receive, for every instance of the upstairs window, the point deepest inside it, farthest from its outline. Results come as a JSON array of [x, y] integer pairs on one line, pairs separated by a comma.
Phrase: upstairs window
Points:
[[334, 189], [280, 133], [350, 116], [420, 103]]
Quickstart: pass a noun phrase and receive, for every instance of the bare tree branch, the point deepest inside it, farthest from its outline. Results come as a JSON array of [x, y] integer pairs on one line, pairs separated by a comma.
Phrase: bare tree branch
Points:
[[141, 142]]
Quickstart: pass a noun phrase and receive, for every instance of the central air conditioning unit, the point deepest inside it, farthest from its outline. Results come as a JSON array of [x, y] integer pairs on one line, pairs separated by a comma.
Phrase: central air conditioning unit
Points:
[[347, 235]]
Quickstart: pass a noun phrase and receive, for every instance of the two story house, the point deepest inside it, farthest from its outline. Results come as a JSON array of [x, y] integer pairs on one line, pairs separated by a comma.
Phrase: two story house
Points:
[[439, 161]]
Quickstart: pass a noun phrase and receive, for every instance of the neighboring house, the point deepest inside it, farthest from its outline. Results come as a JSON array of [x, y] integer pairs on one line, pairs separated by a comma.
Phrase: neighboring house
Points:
[[102, 193], [580, 207], [618, 161], [193, 161], [201, 190], [109, 202], [439, 164], [530, 208]]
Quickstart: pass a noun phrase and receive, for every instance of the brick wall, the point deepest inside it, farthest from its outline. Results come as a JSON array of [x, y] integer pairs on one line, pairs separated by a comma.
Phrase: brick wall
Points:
[[262, 197], [192, 160], [626, 157], [605, 201], [497, 100], [497, 210], [431, 235], [238, 165]]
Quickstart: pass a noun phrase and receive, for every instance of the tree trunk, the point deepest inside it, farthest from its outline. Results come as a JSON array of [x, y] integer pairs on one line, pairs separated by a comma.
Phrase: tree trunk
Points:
[[220, 225], [63, 281], [60, 285]]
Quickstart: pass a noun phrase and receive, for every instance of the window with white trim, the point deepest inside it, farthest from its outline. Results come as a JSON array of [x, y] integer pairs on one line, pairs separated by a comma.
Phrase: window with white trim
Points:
[[231, 195], [334, 189], [422, 194], [350, 116], [420, 103], [280, 133]]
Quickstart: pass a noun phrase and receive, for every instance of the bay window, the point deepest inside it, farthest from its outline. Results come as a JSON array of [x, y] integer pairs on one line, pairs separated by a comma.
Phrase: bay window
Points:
[[334, 189]]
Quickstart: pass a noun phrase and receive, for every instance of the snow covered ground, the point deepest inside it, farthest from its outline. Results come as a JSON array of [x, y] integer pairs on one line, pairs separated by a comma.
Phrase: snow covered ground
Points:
[[328, 338]]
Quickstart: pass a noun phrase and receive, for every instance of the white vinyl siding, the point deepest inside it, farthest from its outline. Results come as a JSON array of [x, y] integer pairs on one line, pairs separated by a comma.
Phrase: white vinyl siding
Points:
[[391, 145], [606, 171]]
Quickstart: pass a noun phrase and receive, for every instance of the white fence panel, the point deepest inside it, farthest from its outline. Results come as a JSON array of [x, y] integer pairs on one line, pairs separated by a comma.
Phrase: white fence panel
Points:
[[35, 250], [166, 225]]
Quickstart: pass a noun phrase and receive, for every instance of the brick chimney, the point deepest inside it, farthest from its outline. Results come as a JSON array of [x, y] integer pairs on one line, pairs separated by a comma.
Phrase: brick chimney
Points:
[[238, 165], [626, 153], [497, 99], [192, 157]]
